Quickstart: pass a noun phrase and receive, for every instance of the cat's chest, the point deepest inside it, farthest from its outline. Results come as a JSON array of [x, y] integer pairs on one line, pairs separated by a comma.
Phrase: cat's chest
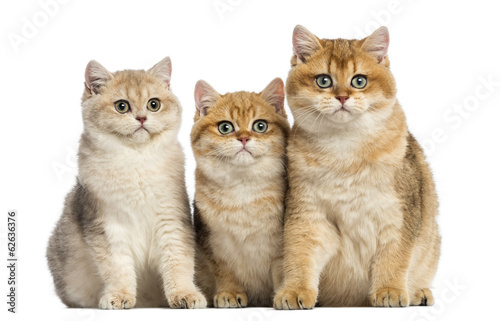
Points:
[[244, 211], [130, 179], [360, 202], [245, 220], [249, 252], [133, 188]]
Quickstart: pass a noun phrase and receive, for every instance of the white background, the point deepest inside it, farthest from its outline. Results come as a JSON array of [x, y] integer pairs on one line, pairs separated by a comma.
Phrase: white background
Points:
[[442, 53]]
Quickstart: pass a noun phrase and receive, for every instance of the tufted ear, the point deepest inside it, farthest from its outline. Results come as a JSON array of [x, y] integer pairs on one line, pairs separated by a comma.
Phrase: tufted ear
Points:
[[96, 76], [305, 43], [377, 44], [205, 96], [163, 70], [274, 94]]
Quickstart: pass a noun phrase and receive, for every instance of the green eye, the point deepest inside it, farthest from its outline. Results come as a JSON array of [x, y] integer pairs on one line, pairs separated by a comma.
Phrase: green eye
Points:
[[226, 128], [359, 81], [122, 106], [154, 104], [260, 126], [324, 81]]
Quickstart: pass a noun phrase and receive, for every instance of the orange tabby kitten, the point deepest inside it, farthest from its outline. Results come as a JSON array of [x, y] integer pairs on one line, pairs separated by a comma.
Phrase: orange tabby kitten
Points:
[[360, 223], [239, 142]]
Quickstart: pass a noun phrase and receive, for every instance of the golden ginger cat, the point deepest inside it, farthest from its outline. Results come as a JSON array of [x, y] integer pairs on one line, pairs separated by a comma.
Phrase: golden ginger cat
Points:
[[360, 223], [239, 141]]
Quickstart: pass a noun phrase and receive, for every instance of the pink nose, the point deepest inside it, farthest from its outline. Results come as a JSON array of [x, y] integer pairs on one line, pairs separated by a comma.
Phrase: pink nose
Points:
[[244, 140], [342, 99], [141, 119]]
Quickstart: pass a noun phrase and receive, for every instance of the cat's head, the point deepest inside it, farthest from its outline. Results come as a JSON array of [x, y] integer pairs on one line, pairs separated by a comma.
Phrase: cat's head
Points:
[[241, 127], [340, 80], [135, 106]]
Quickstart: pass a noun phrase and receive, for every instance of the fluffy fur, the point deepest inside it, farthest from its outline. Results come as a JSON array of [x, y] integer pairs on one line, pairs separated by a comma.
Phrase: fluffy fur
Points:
[[360, 223], [125, 238], [239, 194]]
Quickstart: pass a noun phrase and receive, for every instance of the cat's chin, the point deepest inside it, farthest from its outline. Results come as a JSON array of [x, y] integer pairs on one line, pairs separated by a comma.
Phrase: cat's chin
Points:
[[334, 114], [138, 137], [337, 116], [141, 136], [243, 158], [342, 117]]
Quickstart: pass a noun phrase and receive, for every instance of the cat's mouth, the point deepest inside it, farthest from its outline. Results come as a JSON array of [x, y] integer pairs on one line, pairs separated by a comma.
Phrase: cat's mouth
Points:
[[342, 109], [244, 151], [141, 127]]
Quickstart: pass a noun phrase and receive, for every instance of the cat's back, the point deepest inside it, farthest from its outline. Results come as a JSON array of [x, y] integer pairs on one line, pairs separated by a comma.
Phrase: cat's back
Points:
[[415, 187]]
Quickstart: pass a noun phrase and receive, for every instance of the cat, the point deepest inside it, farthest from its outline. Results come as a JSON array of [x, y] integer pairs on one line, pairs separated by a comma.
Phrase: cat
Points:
[[360, 223], [125, 237], [239, 141]]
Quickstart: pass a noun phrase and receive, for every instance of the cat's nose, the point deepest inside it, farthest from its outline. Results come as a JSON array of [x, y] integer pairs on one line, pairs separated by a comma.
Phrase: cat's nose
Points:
[[141, 119], [244, 140], [342, 99]]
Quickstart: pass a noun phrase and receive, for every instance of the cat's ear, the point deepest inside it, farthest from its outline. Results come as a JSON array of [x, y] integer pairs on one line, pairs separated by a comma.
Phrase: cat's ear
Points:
[[163, 70], [274, 94], [377, 43], [205, 96], [305, 43], [96, 76]]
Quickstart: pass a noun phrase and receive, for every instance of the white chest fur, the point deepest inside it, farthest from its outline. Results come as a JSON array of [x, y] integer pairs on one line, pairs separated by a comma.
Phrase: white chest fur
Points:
[[133, 187]]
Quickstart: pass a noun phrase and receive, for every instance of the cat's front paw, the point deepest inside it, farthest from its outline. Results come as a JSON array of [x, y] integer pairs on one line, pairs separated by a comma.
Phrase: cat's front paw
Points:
[[389, 297], [187, 300], [295, 299], [422, 297], [117, 301], [227, 299]]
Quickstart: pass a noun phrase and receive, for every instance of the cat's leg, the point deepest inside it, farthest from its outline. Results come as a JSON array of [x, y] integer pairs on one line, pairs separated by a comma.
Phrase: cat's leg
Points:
[[229, 292], [389, 270], [222, 287], [310, 241], [204, 278], [423, 268], [116, 267], [174, 249]]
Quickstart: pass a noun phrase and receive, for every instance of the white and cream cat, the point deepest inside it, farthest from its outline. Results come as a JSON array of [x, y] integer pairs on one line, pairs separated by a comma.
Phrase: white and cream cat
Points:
[[125, 237]]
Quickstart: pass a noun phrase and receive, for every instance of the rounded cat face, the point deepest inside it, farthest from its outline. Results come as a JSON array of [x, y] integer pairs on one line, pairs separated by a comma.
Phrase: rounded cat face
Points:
[[339, 80], [239, 128], [133, 105]]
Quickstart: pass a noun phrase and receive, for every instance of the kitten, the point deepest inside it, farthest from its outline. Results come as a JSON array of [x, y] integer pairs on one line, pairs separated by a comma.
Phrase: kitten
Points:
[[239, 142], [125, 237], [360, 223]]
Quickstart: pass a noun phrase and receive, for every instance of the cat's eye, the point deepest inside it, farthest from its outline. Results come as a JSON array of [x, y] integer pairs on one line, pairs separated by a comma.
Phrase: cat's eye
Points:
[[122, 106], [359, 81], [225, 128], [154, 104], [260, 126], [324, 81]]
